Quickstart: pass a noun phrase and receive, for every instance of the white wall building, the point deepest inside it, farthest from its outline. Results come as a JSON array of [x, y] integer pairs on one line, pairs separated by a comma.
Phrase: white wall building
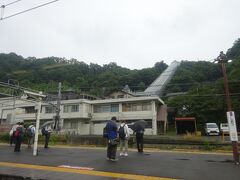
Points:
[[86, 117]]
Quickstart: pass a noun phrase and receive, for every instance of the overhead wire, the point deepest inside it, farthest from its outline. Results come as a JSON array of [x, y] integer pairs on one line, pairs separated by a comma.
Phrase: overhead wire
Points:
[[11, 3], [36, 7], [5, 5], [169, 84]]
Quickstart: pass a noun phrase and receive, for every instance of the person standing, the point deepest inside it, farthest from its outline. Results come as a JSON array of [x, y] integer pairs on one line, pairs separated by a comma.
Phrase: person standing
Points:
[[139, 138], [18, 135], [111, 129], [11, 134], [30, 132], [47, 133], [123, 137]]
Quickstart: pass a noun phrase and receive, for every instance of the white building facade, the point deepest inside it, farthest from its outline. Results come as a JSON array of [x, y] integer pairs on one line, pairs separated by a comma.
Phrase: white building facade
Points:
[[87, 117]]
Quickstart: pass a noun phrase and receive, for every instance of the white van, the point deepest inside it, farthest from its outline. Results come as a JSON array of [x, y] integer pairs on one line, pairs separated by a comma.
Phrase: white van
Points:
[[224, 128], [211, 129]]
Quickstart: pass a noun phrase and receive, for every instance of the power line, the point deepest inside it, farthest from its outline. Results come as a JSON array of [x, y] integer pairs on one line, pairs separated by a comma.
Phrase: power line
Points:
[[206, 95], [15, 87], [3, 8], [167, 85], [29, 9], [11, 3]]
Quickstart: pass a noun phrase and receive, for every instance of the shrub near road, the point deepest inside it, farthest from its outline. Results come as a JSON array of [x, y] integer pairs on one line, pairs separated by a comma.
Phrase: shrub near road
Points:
[[187, 142]]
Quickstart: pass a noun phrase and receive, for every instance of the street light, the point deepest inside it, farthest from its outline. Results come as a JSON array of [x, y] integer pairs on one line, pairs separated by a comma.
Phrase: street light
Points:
[[222, 59]]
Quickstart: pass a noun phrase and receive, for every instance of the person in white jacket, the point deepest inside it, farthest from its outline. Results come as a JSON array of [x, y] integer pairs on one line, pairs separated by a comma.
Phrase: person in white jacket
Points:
[[124, 135], [11, 133]]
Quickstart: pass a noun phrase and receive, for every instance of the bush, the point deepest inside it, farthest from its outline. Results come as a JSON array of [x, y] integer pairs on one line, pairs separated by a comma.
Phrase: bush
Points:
[[58, 139], [208, 147], [5, 137], [191, 136]]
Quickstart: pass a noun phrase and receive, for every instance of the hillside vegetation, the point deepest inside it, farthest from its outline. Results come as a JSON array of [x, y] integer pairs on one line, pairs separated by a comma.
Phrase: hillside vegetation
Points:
[[44, 74], [201, 82], [205, 98]]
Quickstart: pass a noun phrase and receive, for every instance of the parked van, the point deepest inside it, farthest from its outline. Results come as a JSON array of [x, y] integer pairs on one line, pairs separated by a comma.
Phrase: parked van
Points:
[[224, 128], [211, 129]]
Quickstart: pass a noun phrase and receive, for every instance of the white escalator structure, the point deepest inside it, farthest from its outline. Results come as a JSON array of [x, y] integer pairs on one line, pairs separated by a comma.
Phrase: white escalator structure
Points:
[[158, 86]]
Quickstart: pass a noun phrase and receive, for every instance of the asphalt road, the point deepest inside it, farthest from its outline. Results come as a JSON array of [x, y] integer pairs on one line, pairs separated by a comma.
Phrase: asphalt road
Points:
[[177, 165]]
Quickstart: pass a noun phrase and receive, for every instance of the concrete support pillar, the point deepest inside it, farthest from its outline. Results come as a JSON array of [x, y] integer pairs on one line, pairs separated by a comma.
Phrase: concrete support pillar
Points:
[[91, 128], [120, 107], [154, 118]]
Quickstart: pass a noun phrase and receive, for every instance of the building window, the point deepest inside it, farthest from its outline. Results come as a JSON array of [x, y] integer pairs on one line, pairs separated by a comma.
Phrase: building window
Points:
[[29, 110], [120, 96], [71, 108], [74, 108], [49, 109], [126, 107], [114, 108], [136, 107], [106, 108], [73, 125], [70, 124], [146, 107], [149, 123]]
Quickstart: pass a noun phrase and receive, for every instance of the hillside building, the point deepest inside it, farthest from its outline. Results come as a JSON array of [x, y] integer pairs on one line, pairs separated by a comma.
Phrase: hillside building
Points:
[[86, 116]]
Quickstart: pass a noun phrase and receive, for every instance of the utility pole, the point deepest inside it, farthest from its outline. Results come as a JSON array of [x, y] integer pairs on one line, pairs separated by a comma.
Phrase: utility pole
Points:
[[58, 122], [35, 148], [38, 97], [222, 59]]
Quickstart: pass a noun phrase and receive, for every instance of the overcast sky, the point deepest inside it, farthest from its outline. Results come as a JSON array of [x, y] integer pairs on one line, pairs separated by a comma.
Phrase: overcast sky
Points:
[[133, 33]]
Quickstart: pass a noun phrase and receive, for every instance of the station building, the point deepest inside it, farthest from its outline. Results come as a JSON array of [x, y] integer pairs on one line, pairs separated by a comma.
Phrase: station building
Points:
[[88, 116]]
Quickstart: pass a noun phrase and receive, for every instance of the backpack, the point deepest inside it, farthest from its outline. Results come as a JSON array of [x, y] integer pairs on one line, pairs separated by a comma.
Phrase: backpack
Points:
[[18, 132], [121, 131], [44, 131], [105, 134], [29, 132]]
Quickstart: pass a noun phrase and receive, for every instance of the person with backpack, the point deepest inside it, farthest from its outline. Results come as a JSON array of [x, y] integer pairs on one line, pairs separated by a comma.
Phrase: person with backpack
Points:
[[11, 134], [18, 135], [46, 131], [111, 129], [30, 133], [124, 135]]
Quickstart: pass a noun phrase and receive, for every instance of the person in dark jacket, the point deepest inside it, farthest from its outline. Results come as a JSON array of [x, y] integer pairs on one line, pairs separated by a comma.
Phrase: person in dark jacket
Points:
[[47, 134], [111, 128], [18, 135], [139, 138]]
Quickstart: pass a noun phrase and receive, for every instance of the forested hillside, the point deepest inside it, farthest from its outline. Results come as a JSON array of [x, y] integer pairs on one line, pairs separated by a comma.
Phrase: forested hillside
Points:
[[203, 82], [44, 74]]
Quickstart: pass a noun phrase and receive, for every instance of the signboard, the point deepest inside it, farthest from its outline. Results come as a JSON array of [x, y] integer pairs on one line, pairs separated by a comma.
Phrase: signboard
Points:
[[232, 126]]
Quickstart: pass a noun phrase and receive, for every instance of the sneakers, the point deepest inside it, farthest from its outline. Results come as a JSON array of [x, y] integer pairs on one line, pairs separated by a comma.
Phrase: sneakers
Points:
[[111, 159], [123, 154], [114, 160]]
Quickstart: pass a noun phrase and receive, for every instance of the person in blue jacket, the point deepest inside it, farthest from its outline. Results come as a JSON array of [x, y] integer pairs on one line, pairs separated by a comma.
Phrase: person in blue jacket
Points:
[[111, 128]]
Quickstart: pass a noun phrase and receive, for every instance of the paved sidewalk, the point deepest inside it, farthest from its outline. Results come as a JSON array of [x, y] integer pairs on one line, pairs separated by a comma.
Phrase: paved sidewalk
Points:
[[151, 165]]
